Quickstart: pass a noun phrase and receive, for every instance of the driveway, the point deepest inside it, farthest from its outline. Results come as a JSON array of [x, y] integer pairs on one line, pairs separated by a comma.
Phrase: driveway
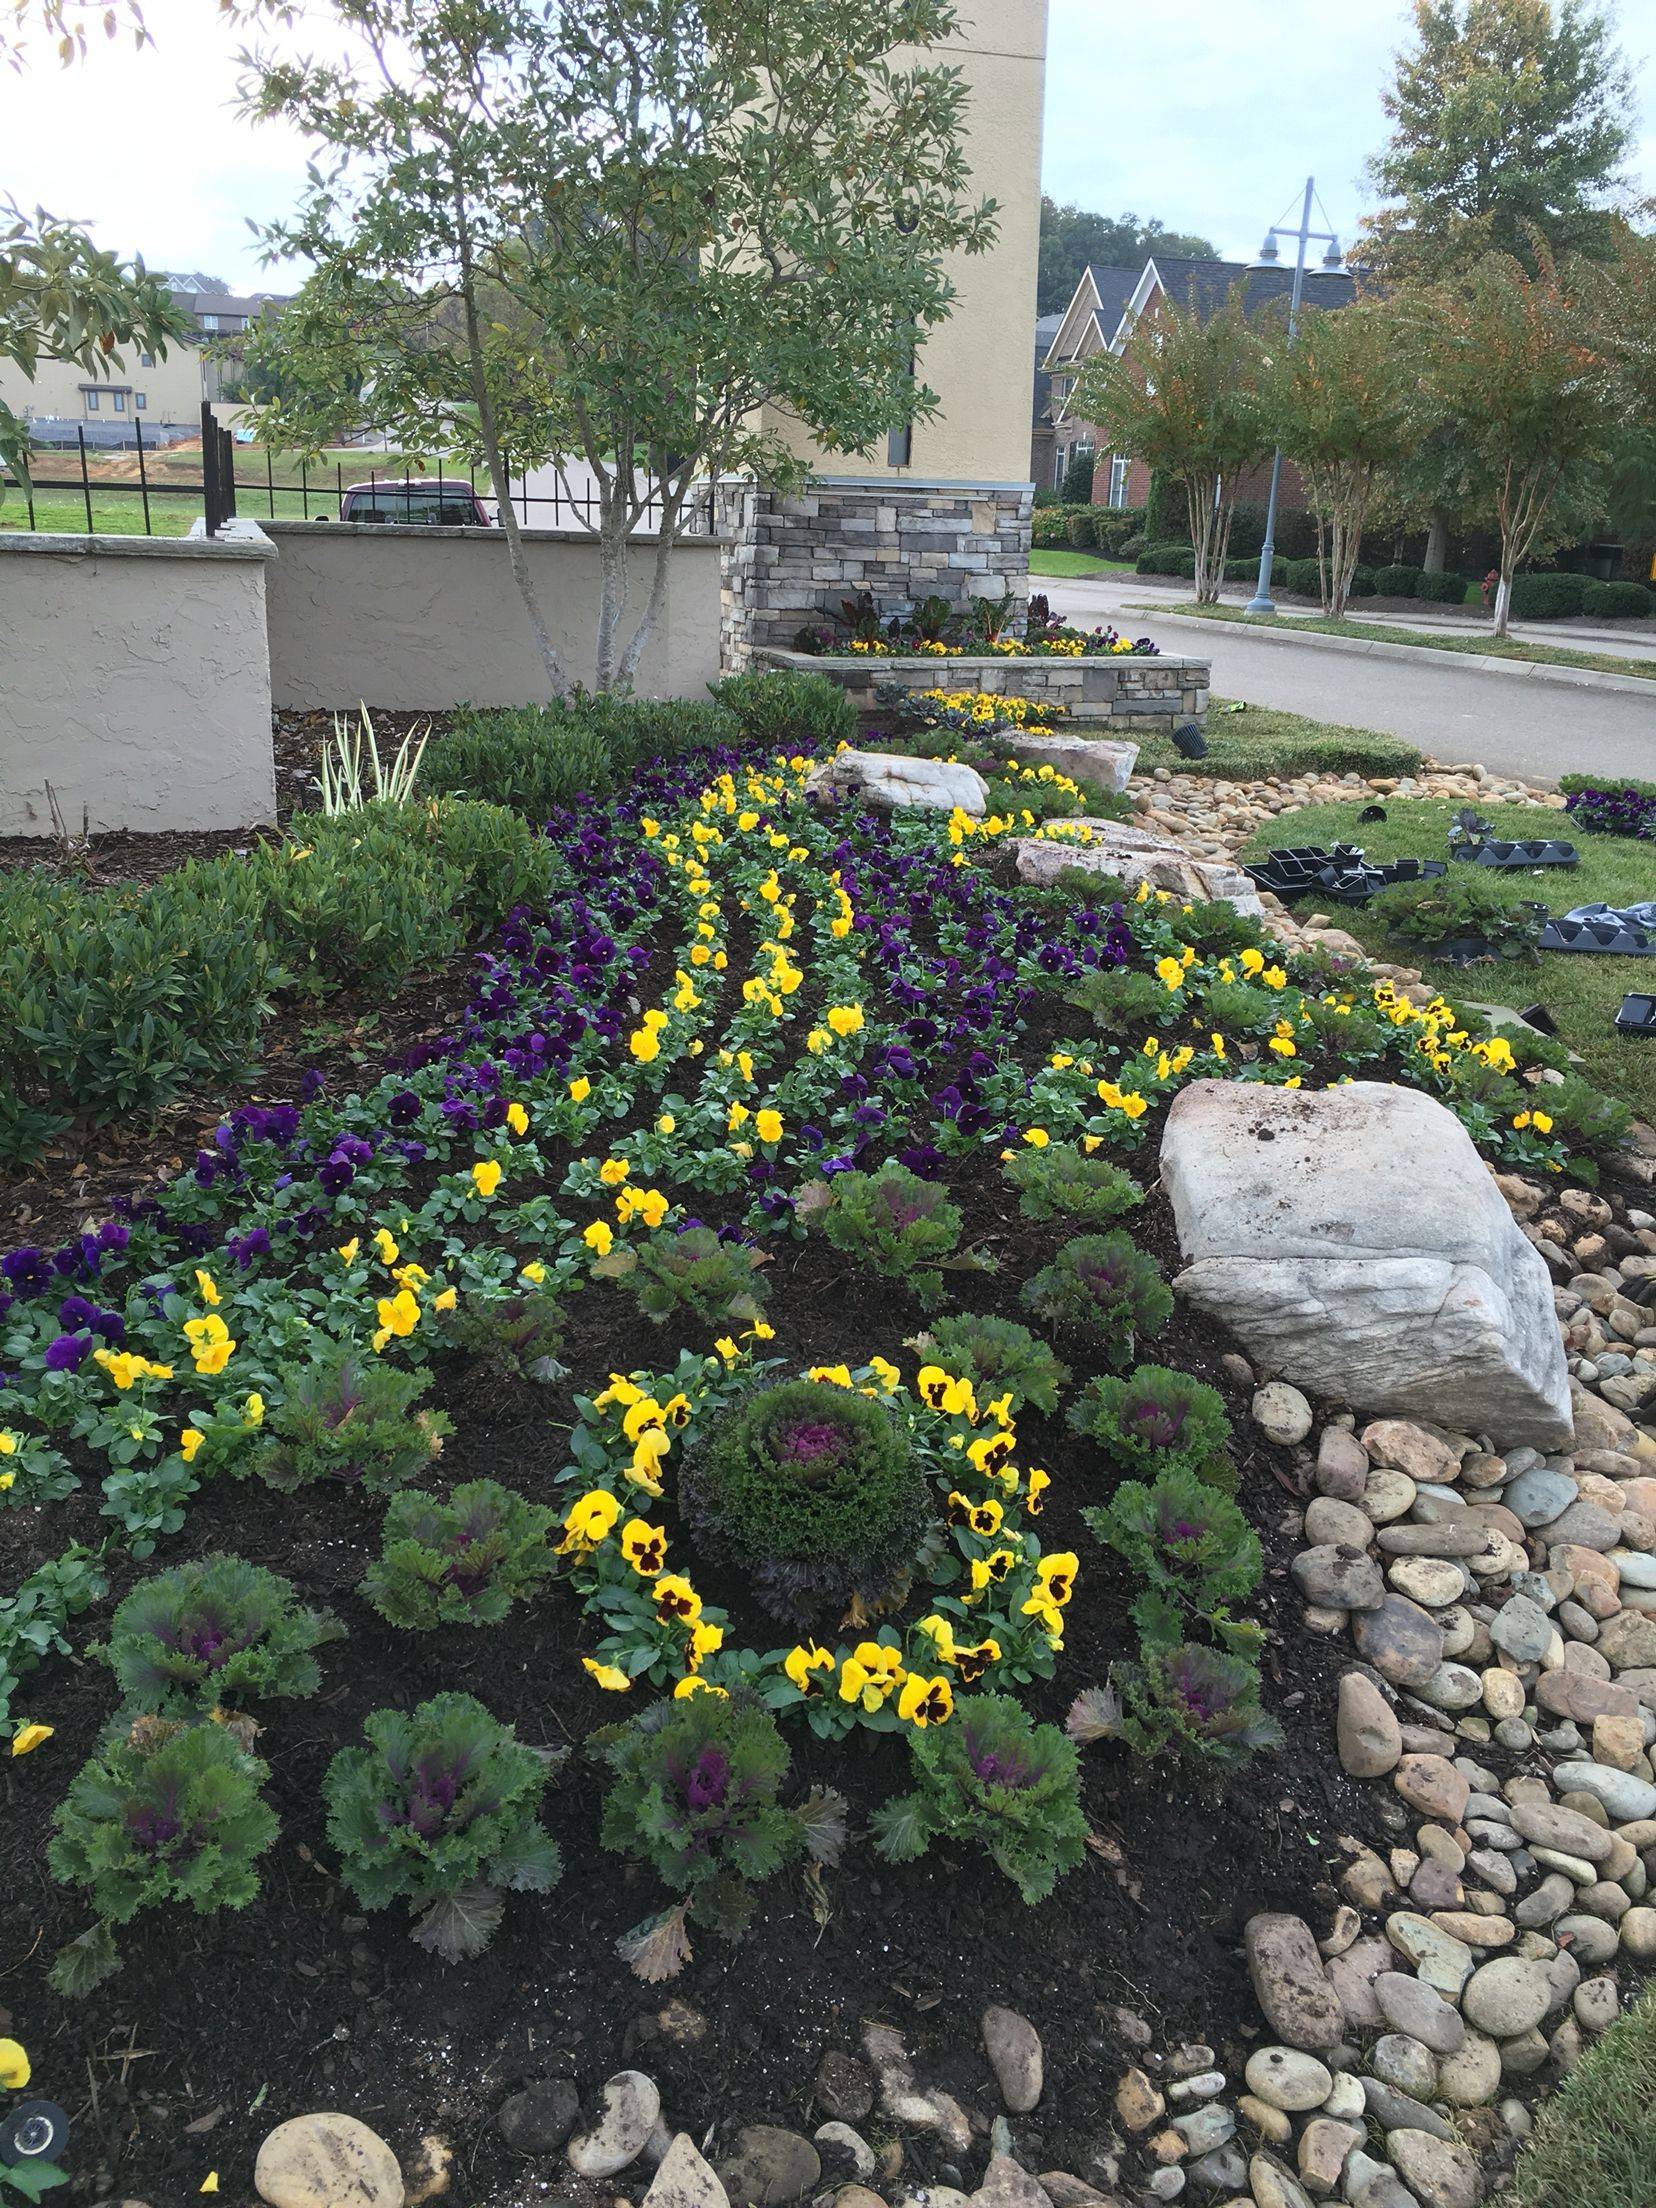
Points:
[[1538, 730]]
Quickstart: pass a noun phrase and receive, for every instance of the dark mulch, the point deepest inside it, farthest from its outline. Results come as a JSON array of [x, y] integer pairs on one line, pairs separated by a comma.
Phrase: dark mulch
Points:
[[214, 2030]]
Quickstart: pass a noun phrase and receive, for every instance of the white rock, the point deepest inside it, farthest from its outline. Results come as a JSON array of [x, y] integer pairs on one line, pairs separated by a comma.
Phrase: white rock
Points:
[[886, 780], [685, 2180], [1101, 759], [625, 2121], [327, 2161], [1353, 1240]]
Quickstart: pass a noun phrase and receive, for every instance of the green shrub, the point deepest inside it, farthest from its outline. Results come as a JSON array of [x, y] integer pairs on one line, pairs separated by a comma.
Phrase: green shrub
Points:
[[788, 712], [1156, 1420], [1442, 588], [463, 1562], [1076, 488], [896, 1222], [1572, 784], [1184, 564], [999, 1357], [1466, 902], [1397, 582], [1618, 601], [1078, 529], [1109, 1293], [694, 1793], [812, 1492], [1161, 559], [1166, 510], [1060, 1181], [1305, 579], [1133, 543], [536, 758], [115, 1002], [692, 1271], [218, 1633], [503, 860], [361, 902], [351, 1418], [441, 1810], [161, 1813], [995, 1779], [1362, 582], [1548, 597]]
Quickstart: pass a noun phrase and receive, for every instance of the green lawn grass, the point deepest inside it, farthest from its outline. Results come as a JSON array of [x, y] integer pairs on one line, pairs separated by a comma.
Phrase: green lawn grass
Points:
[[117, 502], [1261, 742], [1595, 2143], [1077, 565], [1437, 640], [1581, 992]]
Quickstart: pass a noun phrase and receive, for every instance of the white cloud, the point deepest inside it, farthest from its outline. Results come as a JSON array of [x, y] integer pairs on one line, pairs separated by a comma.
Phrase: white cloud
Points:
[[1205, 113]]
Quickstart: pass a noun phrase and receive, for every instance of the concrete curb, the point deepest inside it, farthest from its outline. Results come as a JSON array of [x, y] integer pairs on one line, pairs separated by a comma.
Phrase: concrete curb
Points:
[[1529, 670]]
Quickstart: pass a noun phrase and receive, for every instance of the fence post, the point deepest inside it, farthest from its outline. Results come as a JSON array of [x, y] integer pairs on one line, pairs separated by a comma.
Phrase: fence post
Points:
[[86, 480], [143, 478]]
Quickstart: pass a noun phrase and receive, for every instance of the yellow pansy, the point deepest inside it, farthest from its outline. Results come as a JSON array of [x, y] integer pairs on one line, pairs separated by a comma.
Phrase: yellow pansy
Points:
[[924, 1702], [517, 1119], [446, 1301], [486, 1176], [189, 1441], [588, 1521], [385, 1243], [767, 1125], [694, 1685], [870, 1675], [14, 2066], [253, 1409], [644, 1547], [398, 1314], [580, 1088], [676, 1599], [207, 1286], [348, 1250], [608, 1676], [28, 1738], [599, 1238], [803, 1663]]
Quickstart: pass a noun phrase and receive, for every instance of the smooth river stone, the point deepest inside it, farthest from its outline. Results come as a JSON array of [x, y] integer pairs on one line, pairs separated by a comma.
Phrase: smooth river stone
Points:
[[1402, 1641]]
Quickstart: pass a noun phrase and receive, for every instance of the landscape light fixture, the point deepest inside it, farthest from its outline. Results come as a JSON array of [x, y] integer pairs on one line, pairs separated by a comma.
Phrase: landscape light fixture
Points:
[[1332, 265]]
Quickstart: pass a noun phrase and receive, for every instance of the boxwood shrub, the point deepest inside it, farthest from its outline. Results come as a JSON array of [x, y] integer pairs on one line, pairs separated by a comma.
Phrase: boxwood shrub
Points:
[[1441, 589], [1618, 601], [1397, 582], [1548, 597], [1304, 580]]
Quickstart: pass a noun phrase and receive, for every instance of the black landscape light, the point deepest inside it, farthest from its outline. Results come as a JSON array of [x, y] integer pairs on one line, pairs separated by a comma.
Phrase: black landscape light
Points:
[[1637, 1017], [34, 2132], [1188, 741], [1538, 1017]]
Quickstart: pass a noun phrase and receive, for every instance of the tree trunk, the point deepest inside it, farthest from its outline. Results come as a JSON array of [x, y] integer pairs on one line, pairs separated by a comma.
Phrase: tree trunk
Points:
[[1503, 600], [634, 652], [1437, 546], [488, 430], [612, 596]]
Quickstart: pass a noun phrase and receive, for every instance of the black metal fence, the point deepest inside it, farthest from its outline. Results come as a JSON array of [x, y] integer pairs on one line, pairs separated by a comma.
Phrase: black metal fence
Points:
[[245, 480]]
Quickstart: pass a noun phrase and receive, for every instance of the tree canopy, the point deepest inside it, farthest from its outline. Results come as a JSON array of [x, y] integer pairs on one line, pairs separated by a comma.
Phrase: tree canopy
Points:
[[1510, 120], [1071, 237]]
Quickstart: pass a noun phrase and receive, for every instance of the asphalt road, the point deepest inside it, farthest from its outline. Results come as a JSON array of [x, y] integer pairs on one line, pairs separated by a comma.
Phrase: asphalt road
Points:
[[1536, 729]]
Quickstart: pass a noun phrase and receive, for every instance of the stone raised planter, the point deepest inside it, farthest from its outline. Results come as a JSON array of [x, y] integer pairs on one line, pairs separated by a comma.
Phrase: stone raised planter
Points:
[[1124, 695]]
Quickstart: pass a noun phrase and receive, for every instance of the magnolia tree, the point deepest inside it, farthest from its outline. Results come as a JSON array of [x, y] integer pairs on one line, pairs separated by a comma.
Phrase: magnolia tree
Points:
[[1343, 402], [642, 232], [1191, 402], [62, 299], [1516, 360]]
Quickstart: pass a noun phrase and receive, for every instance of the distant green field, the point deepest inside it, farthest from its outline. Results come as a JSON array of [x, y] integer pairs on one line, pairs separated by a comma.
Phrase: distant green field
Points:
[[1076, 564], [280, 492]]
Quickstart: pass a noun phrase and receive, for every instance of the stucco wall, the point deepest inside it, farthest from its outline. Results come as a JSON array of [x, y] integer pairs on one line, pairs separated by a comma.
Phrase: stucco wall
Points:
[[418, 619], [134, 676], [978, 360]]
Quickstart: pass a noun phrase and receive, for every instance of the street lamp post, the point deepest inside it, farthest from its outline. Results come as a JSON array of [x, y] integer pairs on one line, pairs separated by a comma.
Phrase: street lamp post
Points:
[[1262, 601]]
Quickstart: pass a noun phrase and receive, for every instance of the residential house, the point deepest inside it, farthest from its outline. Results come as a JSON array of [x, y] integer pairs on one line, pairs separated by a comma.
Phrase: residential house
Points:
[[1104, 316], [157, 391]]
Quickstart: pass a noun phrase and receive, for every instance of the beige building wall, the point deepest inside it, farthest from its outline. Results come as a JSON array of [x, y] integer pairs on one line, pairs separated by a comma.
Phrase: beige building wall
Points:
[[978, 360], [171, 388], [136, 680], [420, 619]]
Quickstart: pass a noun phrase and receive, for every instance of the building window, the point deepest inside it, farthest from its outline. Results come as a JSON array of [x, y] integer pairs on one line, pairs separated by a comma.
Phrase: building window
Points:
[[140, 400], [146, 360], [210, 322], [118, 400], [91, 402], [1118, 482]]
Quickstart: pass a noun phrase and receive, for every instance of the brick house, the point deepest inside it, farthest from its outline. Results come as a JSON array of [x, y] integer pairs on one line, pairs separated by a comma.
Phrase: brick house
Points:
[[1108, 307]]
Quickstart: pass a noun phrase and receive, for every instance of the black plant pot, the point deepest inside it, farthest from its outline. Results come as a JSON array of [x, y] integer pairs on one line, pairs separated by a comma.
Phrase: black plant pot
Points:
[[1637, 1016]]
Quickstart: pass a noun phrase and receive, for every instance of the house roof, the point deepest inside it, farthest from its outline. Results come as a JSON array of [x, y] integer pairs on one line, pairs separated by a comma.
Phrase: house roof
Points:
[[1209, 283], [1093, 315]]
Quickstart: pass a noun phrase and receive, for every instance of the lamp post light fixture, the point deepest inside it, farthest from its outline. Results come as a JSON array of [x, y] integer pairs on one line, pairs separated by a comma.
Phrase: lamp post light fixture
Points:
[[1270, 257]]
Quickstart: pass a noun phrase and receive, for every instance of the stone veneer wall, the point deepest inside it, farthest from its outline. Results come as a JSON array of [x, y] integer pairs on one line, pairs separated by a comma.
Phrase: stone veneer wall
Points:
[[1120, 690], [791, 559]]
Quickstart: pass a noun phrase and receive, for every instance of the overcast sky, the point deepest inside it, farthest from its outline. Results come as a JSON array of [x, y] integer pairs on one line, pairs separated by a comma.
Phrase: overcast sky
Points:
[[1208, 114]]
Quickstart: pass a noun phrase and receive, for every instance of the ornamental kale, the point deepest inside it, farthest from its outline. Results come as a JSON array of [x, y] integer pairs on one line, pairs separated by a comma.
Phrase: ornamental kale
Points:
[[1194, 1702], [995, 1778], [1157, 1420], [463, 1562], [692, 1271], [695, 1795], [441, 1811], [812, 1493], [1107, 1292], [215, 1634], [1060, 1181], [1119, 1000], [1467, 905], [348, 1417], [162, 1812], [521, 1333], [999, 1357], [1182, 1538], [897, 1223]]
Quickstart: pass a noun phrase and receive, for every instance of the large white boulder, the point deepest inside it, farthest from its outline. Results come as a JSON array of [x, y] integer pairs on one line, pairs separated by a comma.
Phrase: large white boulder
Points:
[[1121, 847], [1105, 760], [887, 780], [1354, 1242]]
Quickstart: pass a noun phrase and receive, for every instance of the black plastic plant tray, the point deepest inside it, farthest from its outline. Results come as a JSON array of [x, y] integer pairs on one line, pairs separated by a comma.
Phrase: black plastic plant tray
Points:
[[1542, 851], [1637, 1016], [1609, 934], [1355, 885], [1295, 870]]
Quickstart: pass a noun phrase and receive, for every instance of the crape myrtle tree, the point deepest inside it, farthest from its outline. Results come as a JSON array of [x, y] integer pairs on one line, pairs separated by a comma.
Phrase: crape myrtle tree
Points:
[[1344, 403], [1516, 360], [61, 299], [1190, 401], [637, 231]]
